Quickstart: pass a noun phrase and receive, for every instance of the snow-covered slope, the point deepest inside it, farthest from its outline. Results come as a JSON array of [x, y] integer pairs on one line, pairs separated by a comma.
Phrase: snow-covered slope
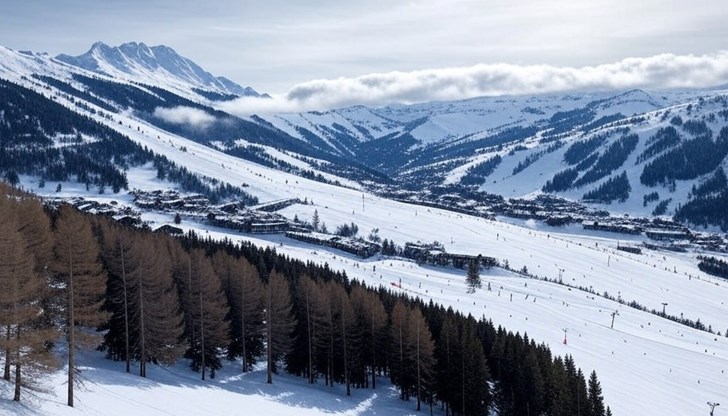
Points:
[[438, 122], [109, 391], [647, 365], [156, 65]]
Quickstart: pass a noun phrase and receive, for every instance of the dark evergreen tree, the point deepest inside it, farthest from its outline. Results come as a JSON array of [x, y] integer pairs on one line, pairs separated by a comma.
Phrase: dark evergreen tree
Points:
[[473, 277], [595, 399]]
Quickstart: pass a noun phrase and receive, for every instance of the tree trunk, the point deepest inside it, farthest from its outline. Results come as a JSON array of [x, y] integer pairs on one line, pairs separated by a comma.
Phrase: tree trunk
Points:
[[374, 355], [126, 308], [269, 336], [308, 327], [16, 396], [401, 362], [242, 325], [346, 364], [142, 336], [6, 372], [418, 366], [202, 332], [71, 330]]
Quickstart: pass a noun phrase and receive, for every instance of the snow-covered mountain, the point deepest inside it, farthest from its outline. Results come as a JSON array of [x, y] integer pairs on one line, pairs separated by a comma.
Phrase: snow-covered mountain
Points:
[[534, 142], [155, 65], [561, 144], [674, 368]]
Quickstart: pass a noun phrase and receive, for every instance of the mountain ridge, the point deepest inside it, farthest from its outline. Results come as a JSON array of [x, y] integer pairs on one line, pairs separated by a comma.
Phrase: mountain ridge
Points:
[[422, 147], [143, 63]]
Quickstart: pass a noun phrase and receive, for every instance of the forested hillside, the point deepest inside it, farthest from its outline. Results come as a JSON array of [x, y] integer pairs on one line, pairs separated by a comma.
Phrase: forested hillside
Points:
[[41, 137], [159, 299]]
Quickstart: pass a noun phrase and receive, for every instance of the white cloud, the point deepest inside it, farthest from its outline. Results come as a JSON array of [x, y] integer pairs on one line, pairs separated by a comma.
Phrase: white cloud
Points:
[[655, 72], [185, 115]]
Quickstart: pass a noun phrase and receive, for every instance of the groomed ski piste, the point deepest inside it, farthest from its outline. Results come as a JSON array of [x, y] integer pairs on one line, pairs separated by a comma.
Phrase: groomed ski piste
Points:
[[647, 365]]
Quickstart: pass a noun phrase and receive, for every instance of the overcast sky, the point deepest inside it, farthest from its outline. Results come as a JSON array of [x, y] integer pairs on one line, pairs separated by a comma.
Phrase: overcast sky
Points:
[[281, 46]]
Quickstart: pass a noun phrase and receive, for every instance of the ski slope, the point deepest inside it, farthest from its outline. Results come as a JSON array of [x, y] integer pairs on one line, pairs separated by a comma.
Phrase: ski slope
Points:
[[107, 390], [647, 365]]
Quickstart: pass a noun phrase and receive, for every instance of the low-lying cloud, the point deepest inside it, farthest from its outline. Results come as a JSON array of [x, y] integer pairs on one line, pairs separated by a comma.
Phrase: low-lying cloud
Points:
[[185, 115], [655, 72]]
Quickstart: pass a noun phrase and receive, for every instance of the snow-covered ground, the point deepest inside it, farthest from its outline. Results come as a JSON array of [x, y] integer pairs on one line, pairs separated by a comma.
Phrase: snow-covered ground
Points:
[[107, 390], [647, 365]]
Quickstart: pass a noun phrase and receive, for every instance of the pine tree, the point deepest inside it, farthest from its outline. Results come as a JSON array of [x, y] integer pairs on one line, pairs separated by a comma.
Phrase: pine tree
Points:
[[400, 355], [157, 321], [473, 277], [448, 373], [371, 318], [315, 220], [424, 356], [300, 359], [279, 320], [531, 383], [24, 342], [558, 398], [476, 395], [116, 252], [595, 399], [244, 291], [34, 227], [209, 331], [82, 278], [326, 337], [344, 324]]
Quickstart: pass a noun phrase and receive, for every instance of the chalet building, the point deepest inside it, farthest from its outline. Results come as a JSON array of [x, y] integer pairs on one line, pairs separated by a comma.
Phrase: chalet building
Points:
[[435, 254], [276, 205], [630, 249], [354, 246], [613, 227], [171, 230], [250, 222], [669, 235]]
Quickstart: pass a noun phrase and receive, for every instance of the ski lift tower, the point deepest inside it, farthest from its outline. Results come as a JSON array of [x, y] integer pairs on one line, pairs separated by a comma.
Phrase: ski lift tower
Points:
[[712, 407]]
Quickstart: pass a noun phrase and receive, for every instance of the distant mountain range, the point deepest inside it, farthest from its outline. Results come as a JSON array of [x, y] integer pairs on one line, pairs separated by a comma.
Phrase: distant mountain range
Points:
[[637, 152], [152, 65]]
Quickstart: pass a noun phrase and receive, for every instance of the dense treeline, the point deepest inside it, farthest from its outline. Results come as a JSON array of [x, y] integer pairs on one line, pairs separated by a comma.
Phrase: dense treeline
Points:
[[707, 203], [661, 207], [714, 184], [664, 139], [84, 150], [611, 159], [158, 299], [615, 188], [565, 121], [561, 181], [476, 174], [697, 128], [528, 161], [583, 148], [75, 92], [602, 121], [713, 266], [689, 160], [651, 197]]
